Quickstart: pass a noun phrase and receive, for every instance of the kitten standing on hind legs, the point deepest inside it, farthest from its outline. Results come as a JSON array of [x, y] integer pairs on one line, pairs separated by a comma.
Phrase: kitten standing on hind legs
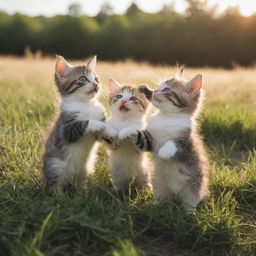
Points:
[[128, 165], [79, 123], [180, 159]]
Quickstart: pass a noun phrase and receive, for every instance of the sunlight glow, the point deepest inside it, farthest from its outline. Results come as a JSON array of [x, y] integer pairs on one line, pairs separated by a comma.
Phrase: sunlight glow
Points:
[[247, 7], [92, 7]]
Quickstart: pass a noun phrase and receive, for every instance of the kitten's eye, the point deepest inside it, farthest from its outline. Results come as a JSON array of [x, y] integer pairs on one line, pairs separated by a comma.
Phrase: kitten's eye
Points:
[[97, 79], [83, 79], [119, 96], [133, 98], [166, 89]]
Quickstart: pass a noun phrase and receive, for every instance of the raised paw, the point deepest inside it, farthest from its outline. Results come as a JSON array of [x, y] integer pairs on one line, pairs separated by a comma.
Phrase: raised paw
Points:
[[142, 88], [110, 132], [96, 126], [111, 142], [167, 151], [146, 91], [127, 133]]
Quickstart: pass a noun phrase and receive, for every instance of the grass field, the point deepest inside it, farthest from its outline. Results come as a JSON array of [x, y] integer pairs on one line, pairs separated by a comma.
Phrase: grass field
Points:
[[98, 221]]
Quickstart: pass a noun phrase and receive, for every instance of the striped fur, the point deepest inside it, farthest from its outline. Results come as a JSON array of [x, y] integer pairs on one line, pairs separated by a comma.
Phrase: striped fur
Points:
[[66, 151], [78, 77], [180, 158], [76, 129], [146, 91], [143, 140]]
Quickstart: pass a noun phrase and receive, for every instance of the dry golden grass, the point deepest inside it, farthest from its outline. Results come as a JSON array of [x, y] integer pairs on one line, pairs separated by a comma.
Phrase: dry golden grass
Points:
[[237, 84]]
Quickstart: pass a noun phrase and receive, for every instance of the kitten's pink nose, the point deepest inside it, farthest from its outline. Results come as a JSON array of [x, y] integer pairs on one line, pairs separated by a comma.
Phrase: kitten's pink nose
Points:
[[123, 101], [95, 85]]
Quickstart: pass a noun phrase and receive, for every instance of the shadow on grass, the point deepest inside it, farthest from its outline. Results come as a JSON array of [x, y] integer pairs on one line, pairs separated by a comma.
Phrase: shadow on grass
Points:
[[244, 194], [233, 135], [94, 222]]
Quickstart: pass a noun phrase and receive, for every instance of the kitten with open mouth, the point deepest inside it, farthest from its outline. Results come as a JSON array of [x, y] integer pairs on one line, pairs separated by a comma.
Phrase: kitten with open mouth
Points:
[[127, 164], [123, 109]]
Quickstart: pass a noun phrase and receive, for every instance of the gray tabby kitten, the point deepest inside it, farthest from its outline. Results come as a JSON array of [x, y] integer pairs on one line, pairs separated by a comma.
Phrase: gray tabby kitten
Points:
[[181, 164], [80, 121]]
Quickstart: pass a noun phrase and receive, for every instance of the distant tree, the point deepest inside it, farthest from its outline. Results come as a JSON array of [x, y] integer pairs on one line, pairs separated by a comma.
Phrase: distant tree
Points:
[[19, 32], [133, 10], [196, 7], [75, 10], [199, 37], [233, 11], [106, 10], [114, 39], [168, 9], [73, 37]]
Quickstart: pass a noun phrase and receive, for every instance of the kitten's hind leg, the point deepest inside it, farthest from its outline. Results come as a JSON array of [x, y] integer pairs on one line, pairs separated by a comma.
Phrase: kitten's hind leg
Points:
[[53, 188], [141, 179], [52, 175], [161, 192], [121, 179], [120, 183], [80, 181], [189, 199], [143, 173]]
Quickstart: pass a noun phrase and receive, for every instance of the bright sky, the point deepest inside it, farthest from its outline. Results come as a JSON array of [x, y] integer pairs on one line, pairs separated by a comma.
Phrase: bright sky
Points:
[[92, 7]]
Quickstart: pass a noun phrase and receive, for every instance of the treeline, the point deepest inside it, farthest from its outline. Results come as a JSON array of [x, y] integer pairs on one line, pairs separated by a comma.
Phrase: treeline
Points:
[[198, 37]]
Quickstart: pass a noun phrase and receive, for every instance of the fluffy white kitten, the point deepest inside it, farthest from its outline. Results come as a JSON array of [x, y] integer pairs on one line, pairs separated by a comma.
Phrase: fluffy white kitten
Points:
[[127, 163]]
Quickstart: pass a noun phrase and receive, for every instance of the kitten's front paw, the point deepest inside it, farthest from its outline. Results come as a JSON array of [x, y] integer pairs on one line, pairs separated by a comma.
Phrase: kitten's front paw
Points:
[[95, 126], [167, 151], [110, 136], [127, 133], [110, 132]]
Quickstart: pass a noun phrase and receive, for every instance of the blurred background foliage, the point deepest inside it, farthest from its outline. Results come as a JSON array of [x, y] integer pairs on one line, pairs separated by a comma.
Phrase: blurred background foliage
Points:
[[198, 37]]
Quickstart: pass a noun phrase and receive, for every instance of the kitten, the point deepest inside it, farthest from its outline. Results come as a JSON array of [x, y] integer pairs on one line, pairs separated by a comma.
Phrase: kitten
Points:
[[128, 106], [80, 120], [181, 164]]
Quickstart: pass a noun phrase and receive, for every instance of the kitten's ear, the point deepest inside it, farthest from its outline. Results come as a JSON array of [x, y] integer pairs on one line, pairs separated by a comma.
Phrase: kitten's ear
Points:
[[113, 85], [92, 63], [194, 85], [62, 67]]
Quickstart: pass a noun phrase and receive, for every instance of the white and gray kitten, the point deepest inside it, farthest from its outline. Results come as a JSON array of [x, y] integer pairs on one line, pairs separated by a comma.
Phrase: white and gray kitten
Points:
[[79, 122], [180, 158], [127, 163]]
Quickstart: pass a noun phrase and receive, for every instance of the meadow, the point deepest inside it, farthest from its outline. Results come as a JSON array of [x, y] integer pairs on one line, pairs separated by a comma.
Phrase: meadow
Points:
[[100, 222]]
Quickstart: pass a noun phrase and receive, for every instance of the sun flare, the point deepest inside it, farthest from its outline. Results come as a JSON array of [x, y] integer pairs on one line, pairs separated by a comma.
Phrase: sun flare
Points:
[[247, 7]]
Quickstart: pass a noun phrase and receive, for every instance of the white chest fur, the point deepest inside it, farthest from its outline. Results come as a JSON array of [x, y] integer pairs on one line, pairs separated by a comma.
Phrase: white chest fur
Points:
[[79, 152], [165, 127], [86, 110], [119, 124]]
